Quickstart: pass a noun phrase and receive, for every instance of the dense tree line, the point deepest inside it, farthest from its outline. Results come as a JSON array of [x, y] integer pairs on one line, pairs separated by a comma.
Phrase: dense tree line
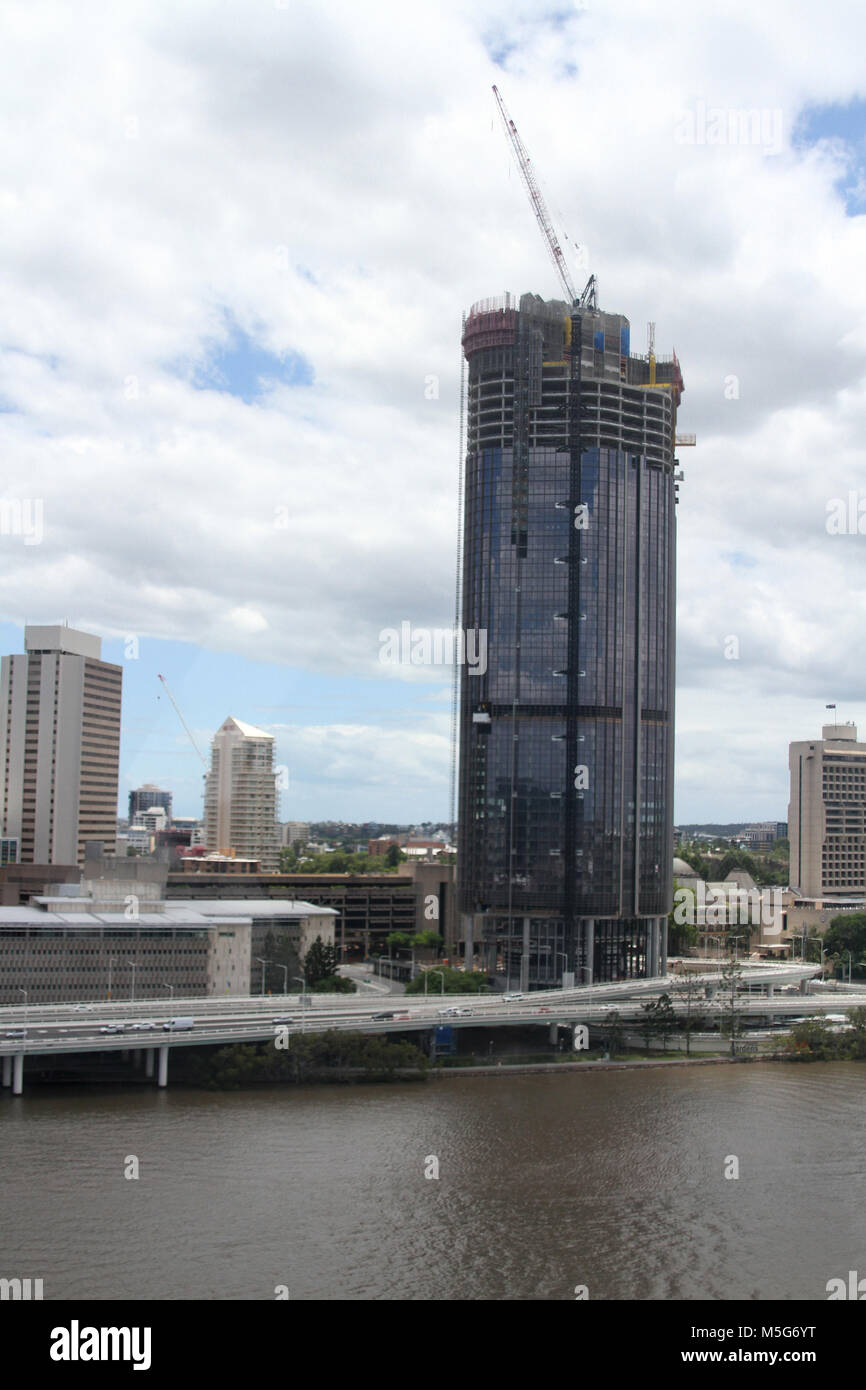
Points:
[[306, 1058]]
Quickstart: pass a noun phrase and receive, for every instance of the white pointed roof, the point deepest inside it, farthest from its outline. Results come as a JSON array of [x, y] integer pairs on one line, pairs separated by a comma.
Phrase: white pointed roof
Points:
[[248, 730]]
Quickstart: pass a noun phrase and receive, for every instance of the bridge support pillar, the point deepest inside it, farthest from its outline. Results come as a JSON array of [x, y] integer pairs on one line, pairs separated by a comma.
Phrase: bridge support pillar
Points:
[[18, 1074], [149, 1060], [162, 1079], [553, 1034], [7, 1071]]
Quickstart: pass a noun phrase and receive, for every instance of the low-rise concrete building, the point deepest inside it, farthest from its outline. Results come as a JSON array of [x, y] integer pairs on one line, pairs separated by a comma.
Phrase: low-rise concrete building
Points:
[[63, 949], [286, 927]]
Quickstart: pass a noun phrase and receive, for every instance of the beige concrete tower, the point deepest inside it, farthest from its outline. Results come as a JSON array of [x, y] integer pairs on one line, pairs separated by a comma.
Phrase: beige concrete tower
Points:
[[827, 813], [60, 735], [240, 807]]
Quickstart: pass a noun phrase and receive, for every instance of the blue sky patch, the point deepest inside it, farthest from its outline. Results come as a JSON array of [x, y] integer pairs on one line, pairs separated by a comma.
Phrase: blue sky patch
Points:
[[844, 125], [241, 367]]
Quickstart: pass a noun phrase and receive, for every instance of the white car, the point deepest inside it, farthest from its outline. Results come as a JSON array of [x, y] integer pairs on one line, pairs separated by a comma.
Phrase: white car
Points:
[[509, 998], [143, 1027]]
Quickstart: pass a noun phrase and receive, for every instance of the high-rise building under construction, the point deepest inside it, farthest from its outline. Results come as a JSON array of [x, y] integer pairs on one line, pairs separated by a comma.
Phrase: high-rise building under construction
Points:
[[566, 739]]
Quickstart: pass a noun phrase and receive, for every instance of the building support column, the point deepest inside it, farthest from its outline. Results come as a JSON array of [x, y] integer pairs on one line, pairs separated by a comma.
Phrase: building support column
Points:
[[468, 940], [162, 1080], [7, 1070], [651, 947], [524, 956], [588, 975], [149, 1056], [18, 1074]]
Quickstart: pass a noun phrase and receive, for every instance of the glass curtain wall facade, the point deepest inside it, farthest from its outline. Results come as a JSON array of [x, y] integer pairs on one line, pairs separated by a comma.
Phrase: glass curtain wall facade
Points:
[[566, 755]]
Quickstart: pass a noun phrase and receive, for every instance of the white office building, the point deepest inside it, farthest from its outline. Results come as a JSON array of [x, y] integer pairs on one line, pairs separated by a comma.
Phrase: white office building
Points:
[[60, 741], [241, 799]]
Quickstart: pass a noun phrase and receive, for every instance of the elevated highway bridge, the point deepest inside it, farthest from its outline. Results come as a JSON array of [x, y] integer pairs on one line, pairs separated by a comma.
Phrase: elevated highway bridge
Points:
[[52, 1030]]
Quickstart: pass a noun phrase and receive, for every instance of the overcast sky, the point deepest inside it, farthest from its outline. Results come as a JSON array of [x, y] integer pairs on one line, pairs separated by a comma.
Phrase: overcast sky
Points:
[[238, 239]]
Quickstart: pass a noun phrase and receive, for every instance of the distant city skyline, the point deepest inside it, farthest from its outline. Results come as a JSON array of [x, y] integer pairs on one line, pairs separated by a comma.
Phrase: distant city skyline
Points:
[[326, 726]]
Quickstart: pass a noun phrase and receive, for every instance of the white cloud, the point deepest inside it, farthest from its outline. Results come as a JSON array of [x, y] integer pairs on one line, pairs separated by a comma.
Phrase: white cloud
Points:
[[335, 176]]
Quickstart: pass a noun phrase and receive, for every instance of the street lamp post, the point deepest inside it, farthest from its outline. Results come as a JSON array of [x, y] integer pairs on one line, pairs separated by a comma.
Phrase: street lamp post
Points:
[[262, 963], [587, 970], [170, 988], [111, 961], [23, 991], [285, 970], [564, 954], [848, 954], [820, 941], [434, 972], [133, 964], [303, 1000]]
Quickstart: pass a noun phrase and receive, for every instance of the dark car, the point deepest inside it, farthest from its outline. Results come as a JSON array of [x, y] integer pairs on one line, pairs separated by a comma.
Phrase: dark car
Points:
[[377, 1018]]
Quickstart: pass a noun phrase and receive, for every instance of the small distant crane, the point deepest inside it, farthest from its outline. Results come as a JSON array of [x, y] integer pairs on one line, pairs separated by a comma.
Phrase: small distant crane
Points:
[[589, 298], [183, 722]]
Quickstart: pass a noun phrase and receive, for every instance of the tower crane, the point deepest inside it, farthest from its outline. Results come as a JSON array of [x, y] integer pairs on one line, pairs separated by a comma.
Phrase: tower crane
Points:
[[589, 297], [183, 722]]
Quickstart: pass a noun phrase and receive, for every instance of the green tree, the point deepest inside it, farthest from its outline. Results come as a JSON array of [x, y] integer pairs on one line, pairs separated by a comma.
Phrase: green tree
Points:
[[847, 932], [696, 859], [738, 859], [648, 1022], [334, 984], [320, 962], [665, 1019], [857, 1039], [394, 856], [731, 1010], [682, 920], [690, 992], [428, 940], [399, 941], [812, 1040], [613, 1032], [455, 982]]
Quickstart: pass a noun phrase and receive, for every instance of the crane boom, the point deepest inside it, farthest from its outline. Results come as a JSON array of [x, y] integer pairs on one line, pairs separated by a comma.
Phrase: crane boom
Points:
[[539, 206], [183, 721]]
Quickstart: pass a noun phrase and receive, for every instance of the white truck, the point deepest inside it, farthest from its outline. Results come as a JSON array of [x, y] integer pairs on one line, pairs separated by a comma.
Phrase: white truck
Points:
[[179, 1025]]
